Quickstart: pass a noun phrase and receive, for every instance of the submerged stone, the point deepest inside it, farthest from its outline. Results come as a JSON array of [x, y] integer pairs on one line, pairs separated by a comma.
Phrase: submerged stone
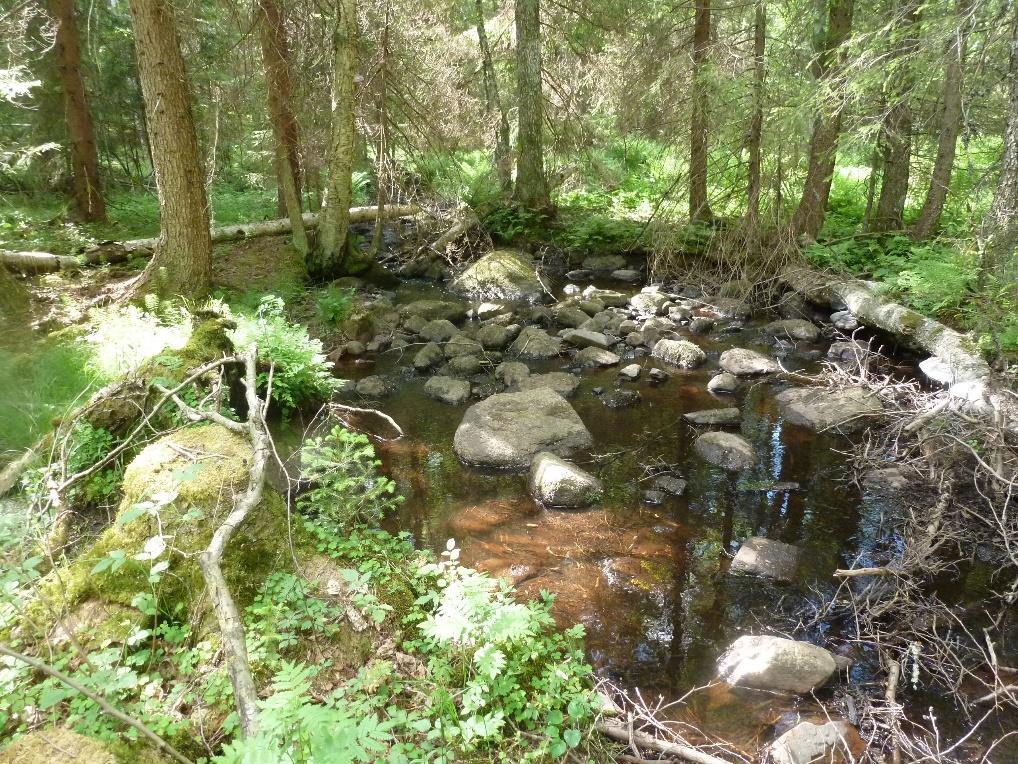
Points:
[[508, 429], [794, 328], [836, 742], [727, 416], [846, 409], [448, 390], [726, 450]]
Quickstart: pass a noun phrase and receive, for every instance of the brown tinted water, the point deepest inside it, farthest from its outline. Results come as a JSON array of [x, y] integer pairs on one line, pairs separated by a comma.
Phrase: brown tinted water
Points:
[[650, 584]]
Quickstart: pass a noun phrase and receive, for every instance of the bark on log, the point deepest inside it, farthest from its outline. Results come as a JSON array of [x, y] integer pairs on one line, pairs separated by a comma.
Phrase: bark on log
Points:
[[872, 308], [36, 262], [121, 251], [618, 732]]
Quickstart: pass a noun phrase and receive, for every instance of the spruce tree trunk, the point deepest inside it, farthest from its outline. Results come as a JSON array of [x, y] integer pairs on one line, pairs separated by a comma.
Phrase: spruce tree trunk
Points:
[[89, 205], [1000, 228], [699, 204], [896, 130], [329, 259], [809, 215], [494, 109], [756, 124], [279, 89], [951, 117], [531, 183], [182, 263]]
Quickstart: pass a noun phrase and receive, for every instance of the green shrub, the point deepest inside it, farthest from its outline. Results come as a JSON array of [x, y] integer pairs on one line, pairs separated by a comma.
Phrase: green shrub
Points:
[[333, 305], [347, 487], [302, 374]]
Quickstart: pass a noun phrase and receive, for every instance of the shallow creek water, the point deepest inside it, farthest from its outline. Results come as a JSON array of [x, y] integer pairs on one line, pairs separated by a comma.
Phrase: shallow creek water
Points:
[[649, 583]]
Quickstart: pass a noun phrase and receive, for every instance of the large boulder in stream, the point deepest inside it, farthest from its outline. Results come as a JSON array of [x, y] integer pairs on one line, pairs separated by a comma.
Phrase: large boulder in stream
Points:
[[554, 482], [503, 274], [777, 664], [508, 429], [845, 410]]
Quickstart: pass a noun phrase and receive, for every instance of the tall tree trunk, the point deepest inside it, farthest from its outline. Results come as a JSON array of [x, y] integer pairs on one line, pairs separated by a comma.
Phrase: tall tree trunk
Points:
[[896, 130], [88, 197], [756, 124], [951, 116], [1000, 228], [823, 147], [531, 183], [493, 107], [279, 89], [382, 149], [331, 255], [699, 204], [182, 263]]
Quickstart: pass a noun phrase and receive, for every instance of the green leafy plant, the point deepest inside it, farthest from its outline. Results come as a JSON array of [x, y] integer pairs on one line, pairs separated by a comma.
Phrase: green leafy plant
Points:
[[301, 371], [333, 305], [346, 485]]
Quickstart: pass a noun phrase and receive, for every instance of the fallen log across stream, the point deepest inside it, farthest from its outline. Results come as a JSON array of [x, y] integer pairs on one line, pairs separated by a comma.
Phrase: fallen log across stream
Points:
[[956, 360], [121, 251]]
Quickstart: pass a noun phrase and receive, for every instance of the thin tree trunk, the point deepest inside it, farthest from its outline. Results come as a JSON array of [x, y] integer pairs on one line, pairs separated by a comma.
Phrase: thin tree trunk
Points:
[[809, 215], [699, 204], [531, 183], [493, 107], [756, 124], [896, 131], [88, 198], [279, 87], [382, 150], [1000, 228], [183, 259], [951, 116], [331, 254]]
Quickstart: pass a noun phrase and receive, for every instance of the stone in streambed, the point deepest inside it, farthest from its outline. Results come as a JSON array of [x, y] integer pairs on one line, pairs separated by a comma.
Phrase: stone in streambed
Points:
[[508, 429], [681, 353], [439, 330], [494, 337], [502, 274], [746, 363], [428, 356], [726, 416], [512, 372], [835, 742], [764, 557], [793, 328], [724, 382], [764, 662], [630, 372], [448, 390], [726, 450], [621, 399], [846, 409], [586, 339], [670, 484], [561, 382], [554, 482], [535, 344], [593, 356]]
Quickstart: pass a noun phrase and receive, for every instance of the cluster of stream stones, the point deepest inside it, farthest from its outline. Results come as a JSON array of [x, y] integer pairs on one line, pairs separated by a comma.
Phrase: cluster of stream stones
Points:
[[480, 352]]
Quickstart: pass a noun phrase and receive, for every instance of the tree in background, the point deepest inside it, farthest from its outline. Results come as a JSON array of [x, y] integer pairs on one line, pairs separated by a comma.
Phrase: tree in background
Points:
[[699, 204], [493, 107], [756, 125], [1000, 228], [330, 257], [895, 142], [531, 183], [279, 92], [809, 215], [183, 258], [89, 205], [951, 117]]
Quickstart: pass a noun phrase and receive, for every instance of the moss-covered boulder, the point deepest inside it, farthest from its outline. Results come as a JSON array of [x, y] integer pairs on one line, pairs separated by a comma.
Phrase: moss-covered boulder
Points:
[[503, 274], [54, 744], [176, 492]]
